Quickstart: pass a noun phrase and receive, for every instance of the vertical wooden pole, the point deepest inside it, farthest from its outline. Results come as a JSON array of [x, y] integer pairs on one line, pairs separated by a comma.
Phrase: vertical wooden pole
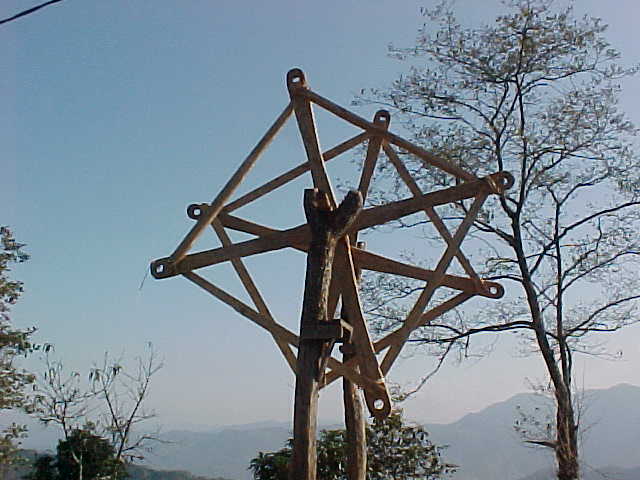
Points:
[[327, 227], [354, 419]]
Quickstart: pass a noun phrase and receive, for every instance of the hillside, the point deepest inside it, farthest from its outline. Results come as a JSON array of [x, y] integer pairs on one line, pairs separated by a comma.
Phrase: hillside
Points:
[[484, 444]]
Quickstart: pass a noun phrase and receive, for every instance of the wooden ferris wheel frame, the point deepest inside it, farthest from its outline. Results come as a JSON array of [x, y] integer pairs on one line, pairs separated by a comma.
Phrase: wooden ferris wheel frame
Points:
[[362, 368]]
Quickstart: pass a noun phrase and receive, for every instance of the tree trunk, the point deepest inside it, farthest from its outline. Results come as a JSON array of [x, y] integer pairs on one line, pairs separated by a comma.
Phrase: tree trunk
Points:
[[566, 445], [566, 436]]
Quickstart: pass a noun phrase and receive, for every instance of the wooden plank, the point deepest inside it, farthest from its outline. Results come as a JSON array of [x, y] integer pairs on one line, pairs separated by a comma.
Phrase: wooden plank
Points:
[[162, 268], [230, 187], [293, 173], [410, 182], [243, 309], [428, 158], [253, 292]]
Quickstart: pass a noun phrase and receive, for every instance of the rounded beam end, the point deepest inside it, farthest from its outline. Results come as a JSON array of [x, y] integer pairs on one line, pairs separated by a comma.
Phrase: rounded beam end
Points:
[[296, 79]]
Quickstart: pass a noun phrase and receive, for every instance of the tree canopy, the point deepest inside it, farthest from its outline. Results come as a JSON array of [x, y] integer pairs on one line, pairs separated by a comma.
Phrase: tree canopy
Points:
[[396, 451], [13, 344], [81, 456], [535, 93]]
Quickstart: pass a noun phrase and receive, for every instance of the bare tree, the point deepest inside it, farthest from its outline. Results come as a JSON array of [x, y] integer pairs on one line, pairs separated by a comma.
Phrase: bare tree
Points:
[[111, 404], [534, 93]]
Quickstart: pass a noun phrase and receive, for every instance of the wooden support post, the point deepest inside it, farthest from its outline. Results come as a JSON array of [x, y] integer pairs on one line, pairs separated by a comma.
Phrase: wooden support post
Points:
[[354, 419], [327, 227]]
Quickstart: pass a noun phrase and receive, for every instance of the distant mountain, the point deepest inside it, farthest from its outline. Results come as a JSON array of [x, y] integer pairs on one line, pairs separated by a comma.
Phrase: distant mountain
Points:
[[484, 444], [486, 447], [224, 452]]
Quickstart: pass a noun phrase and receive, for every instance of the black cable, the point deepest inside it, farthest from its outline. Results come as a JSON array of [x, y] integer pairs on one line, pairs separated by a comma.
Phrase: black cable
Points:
[[28, 11]]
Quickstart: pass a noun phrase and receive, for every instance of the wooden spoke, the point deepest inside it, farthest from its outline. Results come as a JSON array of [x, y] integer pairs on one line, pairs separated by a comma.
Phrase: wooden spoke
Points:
[[230, 187], [428, 158], [379, 405], [431, 214], [253, 292], [304, 115], [275, 329], [293, 173], [413, 319], [370, 261], [381, 120]]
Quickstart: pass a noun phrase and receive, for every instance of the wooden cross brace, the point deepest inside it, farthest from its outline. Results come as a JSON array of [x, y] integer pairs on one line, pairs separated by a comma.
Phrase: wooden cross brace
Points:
[[346, 258]]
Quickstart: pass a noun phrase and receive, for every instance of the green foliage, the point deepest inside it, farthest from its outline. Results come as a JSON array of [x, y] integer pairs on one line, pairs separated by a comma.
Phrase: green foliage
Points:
[[112, 405], [13, 343], [82, 456], [44, 468], [89, 453], [395, 450]]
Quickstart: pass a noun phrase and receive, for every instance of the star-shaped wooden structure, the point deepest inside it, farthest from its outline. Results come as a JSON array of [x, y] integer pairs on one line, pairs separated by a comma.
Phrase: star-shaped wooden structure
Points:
[[362, 367]]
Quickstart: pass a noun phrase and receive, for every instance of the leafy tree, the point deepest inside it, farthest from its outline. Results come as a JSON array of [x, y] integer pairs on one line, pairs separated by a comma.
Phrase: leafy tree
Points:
[[13, 344], [81, 456], [271, 466], [85, 456], [44, 468], [396, 451], [534, 93]]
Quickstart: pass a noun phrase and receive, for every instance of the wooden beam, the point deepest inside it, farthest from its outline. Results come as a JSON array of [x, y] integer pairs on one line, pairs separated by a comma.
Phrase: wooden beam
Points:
[[377, 263], [253, 292], [327, 225], [230, 187], [243, 309], [428, 158], [354, 419], [293, 173], [413, 319], [435, 219], [370, 217], [381, 119], [378, 402], [297, 83]]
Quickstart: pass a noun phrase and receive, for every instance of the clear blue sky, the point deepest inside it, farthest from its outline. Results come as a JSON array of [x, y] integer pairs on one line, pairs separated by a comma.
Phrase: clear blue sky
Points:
[[117, 115]]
